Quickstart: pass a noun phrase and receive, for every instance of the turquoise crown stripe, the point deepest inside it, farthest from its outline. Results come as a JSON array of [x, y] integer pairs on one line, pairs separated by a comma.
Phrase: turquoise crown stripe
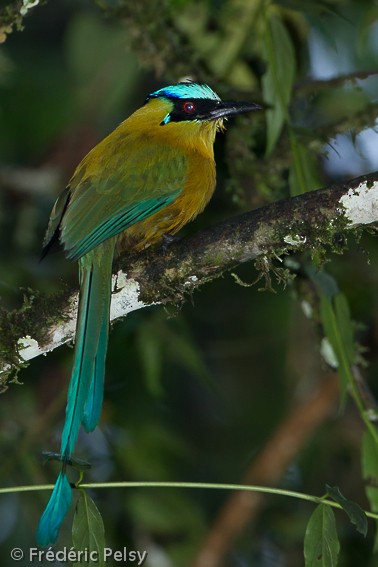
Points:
[[186, 90]]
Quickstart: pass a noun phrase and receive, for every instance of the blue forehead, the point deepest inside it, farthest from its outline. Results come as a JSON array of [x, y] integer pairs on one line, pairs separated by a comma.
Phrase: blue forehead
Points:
[[186, 90]]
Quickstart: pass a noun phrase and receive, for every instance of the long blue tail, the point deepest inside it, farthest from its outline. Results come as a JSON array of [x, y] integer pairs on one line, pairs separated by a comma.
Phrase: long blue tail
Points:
[[85, 392], [93, 405], [55, 511]]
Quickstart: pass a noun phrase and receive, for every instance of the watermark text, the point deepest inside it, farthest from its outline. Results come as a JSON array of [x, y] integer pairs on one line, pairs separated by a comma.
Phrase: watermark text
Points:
[[37, 555]]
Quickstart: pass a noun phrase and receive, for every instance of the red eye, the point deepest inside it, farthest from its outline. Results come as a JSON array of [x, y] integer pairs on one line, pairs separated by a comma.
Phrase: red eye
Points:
[[188, 107]]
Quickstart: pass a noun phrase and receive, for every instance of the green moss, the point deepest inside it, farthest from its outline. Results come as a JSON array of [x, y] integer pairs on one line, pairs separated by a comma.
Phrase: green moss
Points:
[[11, 17], [318, 236], [267, 268], [33, 318]]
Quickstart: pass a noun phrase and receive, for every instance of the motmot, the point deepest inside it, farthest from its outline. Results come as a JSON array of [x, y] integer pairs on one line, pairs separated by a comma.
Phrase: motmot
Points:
[[151, 176]]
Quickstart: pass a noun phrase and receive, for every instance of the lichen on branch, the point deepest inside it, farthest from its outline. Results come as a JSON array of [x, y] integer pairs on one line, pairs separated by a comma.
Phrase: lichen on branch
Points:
[[316, 222]]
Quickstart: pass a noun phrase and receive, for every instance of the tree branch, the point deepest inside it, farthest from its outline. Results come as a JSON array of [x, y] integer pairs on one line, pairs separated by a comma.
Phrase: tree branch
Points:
[[313, 221]]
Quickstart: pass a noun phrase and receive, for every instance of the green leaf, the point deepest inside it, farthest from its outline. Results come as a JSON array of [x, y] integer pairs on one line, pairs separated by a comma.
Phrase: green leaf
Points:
[[345, 325], [303, 173], [278, 80], [88, 533], [341, 328], [356, 515], [337, 326], [370, 474], [370, 467], [159, 340], [99, 64], [332, 332], [165, 512], [316, 7], [365, 28], [185, 351], [326, 283], [152, 450], [321, 544], [149, 343]]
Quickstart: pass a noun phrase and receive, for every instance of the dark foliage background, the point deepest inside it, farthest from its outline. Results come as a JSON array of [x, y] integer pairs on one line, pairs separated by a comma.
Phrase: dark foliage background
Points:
[[193, 392]]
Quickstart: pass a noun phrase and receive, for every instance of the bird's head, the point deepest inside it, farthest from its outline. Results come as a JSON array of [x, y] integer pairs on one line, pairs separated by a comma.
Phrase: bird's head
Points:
[[186, 114], [189, 102]]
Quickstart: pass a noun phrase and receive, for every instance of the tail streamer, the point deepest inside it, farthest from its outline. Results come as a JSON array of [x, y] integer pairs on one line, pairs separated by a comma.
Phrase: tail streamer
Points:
[[85, 392]]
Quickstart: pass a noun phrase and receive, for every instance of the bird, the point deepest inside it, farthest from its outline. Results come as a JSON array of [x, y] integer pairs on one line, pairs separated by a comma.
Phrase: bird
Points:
[[146, 180]]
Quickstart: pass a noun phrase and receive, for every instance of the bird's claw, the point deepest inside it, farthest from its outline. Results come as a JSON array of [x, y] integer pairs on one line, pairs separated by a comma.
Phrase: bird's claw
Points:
[[168, 239]]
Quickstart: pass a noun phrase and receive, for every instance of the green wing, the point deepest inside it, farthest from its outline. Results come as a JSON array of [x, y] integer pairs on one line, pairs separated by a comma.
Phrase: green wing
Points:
[[53, 229], [117, 223], [123, 188]]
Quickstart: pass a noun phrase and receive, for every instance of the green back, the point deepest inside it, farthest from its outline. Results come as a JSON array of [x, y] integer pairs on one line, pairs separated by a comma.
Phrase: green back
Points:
[[125, 187]]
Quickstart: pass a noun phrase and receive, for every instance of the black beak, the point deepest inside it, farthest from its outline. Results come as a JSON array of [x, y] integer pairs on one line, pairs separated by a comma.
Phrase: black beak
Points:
[[231, 108]]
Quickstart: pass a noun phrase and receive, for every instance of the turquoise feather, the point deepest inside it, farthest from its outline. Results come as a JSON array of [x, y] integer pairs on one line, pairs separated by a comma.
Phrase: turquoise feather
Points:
[[95, 283], [85, 391], [120, 222], [55, 511], [93, 404], [186, 90]]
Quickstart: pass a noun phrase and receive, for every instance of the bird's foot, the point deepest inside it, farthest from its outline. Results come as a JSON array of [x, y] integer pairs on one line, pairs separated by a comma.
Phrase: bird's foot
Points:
[[168, 239]]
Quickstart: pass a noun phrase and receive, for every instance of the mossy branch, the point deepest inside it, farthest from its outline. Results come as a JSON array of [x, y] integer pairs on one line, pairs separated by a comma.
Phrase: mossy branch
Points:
[[317, 221], [12, 14]]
